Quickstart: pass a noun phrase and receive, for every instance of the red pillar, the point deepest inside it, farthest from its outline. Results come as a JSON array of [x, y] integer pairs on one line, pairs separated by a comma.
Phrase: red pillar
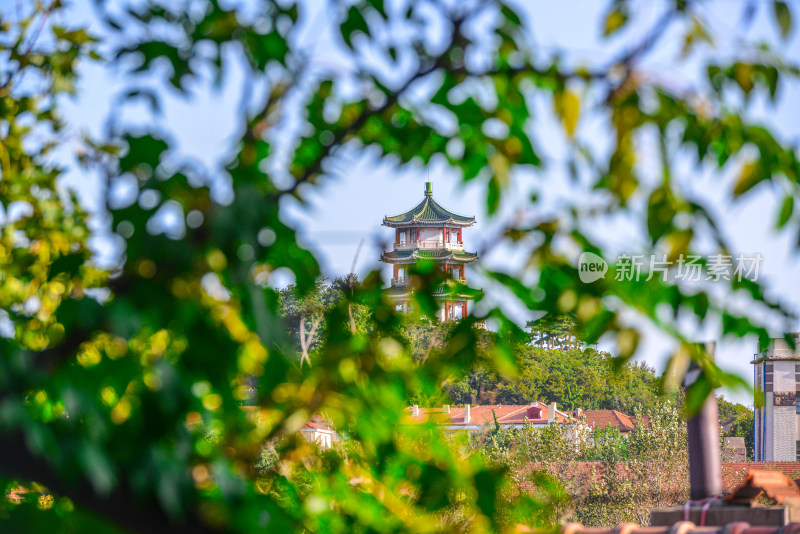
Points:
[[419, 231], [444, 235], [459, 235], [464, 310]]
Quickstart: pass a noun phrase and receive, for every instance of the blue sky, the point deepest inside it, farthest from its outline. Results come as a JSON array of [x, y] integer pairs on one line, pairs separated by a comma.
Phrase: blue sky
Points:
[[359, 189]]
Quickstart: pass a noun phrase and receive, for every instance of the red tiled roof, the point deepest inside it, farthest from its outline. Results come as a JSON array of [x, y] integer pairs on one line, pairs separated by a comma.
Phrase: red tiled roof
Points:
[[773, 484], [604, 418], [535, 413]]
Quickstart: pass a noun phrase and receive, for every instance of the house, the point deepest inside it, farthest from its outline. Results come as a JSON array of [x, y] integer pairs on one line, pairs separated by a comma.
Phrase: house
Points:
[[475, 418], [598, 419], [319, 433], [316, 430]]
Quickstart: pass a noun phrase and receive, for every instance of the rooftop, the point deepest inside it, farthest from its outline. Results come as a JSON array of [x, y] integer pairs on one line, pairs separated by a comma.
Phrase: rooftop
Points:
[[428, 212], [603, 418], [509, 414]]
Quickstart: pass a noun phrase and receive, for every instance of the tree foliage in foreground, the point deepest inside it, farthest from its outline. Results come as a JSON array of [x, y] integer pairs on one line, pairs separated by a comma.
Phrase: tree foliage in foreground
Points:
[[121, 390]]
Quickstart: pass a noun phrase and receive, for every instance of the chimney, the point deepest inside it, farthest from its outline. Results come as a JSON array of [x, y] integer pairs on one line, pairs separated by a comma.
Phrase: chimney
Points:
[[705, 464], [414, 410], [551, 411], [467, 416], [446, 408], [578, 413]]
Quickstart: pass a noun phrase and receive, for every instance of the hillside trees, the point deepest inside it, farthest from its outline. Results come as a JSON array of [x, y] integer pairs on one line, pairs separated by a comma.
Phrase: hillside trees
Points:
[[304, 316], [585, 379], [554, 331], [122, 390]]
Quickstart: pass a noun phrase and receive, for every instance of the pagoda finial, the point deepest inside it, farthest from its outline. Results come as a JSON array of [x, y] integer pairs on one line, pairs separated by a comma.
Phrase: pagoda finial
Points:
[[428, 190]]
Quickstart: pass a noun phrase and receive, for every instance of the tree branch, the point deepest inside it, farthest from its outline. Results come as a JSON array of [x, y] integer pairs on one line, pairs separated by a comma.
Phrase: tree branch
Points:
[[391, 99]]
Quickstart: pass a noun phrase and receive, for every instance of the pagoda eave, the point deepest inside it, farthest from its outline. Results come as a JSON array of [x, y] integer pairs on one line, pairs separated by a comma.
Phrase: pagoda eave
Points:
[[439, 294], [415, 223], [412, 258]]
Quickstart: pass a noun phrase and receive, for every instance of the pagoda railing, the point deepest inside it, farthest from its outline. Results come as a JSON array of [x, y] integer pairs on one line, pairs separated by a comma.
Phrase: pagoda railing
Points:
[[423, 245], [404, 281]]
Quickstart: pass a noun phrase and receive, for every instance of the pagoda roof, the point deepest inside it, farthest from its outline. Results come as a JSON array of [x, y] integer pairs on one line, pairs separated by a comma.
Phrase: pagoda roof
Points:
[[428, 212], [439, 255]]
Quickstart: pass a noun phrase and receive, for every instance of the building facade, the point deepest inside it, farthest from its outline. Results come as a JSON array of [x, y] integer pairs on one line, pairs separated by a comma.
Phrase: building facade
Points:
[[777, 415], [429, 232]]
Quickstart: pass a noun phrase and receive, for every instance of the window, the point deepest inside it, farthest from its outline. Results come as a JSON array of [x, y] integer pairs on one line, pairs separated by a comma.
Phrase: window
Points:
[[454, 237], [797, 451], [402, 238]]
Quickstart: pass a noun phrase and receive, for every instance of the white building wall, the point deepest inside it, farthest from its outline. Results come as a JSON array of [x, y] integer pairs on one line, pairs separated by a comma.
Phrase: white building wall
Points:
[[783, 376], [784, 434], [769, 439]]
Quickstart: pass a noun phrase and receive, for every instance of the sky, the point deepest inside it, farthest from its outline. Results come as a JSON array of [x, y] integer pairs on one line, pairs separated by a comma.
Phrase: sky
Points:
[[359, 189]]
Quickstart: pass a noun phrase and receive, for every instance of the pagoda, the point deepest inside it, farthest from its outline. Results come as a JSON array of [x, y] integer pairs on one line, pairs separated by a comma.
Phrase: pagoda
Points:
[[430, 232]]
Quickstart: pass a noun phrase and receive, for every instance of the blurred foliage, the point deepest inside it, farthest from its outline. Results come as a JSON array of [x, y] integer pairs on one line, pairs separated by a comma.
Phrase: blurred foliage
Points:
[[122, 387]]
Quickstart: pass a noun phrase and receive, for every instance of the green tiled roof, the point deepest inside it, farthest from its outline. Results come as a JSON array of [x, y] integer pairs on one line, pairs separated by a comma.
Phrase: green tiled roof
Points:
[[444, 291], [409, 256], [428, 212]]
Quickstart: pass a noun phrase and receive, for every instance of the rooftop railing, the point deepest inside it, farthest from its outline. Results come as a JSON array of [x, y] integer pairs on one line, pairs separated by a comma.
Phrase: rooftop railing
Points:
[[428, 245]]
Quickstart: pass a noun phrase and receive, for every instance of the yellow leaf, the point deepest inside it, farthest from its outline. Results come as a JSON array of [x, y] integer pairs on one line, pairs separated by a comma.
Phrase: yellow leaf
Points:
[[614, 21], [749, 177], [567, 106], [744, 76]]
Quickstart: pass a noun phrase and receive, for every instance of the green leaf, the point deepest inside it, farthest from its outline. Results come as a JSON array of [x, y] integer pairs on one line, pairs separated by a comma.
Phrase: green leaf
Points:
[[511, 16], [786, 211], [145, 149], [488, 482], [379, 7], [354, 22], [783, 16], [697, 393], [69, 264]]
